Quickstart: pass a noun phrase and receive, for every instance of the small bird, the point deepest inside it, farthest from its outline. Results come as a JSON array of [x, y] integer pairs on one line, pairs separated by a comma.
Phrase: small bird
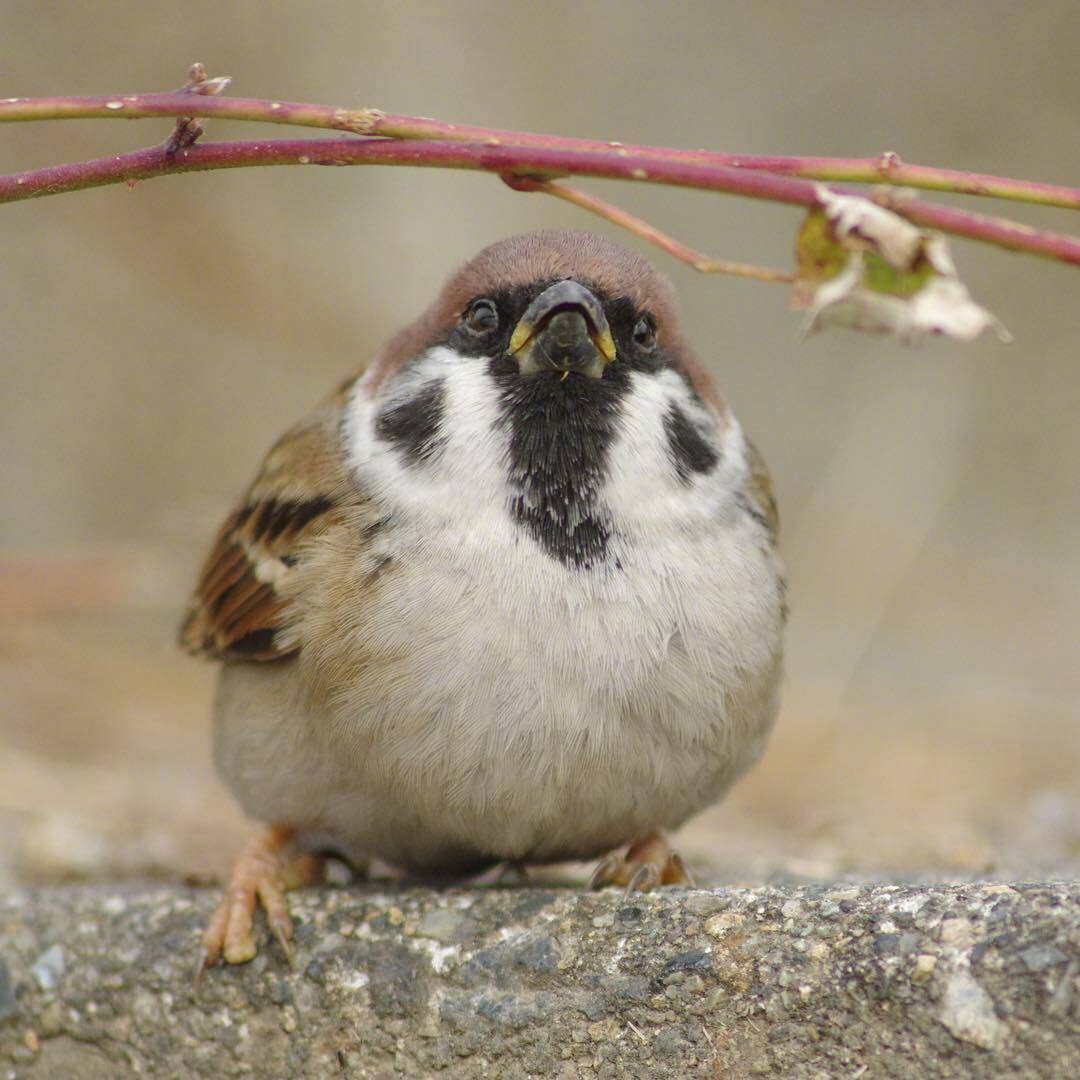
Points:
[[510, 596]]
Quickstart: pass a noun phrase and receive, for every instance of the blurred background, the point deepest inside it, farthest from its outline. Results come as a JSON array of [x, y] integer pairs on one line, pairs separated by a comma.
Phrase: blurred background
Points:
[[155, 341]]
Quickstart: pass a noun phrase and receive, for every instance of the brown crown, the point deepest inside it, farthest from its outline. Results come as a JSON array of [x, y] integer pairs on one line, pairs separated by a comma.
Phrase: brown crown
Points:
[[544, 256]]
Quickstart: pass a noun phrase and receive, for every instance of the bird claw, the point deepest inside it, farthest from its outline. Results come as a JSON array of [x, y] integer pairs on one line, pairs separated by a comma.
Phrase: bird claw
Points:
[[648, 863], [272, 896], [260, 876], [644, 878], [607, 871]]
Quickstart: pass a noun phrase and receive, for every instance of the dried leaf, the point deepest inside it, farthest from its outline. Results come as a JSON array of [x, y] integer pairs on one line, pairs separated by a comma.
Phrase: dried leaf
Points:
[[864, 267]]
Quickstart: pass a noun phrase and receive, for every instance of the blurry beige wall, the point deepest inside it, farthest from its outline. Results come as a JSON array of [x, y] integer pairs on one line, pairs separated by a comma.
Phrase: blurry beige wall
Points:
[[155, 341]]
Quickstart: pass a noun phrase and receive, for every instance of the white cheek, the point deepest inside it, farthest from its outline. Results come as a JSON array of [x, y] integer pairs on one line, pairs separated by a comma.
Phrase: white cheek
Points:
[[466, 478], [643, 490], [466, 481]]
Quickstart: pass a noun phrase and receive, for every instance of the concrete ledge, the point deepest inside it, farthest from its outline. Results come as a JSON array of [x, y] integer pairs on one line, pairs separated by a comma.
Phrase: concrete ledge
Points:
[[958, 980]]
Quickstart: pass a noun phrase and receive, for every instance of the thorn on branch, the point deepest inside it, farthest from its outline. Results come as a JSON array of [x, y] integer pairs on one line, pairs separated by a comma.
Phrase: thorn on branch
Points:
[[888, 162], [189, 128], [198, 82]]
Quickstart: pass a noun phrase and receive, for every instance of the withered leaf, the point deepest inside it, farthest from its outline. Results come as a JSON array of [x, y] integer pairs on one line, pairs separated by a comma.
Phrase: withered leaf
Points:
[[862, 266]]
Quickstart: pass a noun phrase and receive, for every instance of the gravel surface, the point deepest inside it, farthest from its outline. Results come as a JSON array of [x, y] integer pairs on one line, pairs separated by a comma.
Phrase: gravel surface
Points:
[[810, 981]]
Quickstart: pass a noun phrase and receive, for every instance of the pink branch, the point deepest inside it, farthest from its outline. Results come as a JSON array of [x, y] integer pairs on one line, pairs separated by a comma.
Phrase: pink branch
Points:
[[885, 168], [189, 103], [542, 162]]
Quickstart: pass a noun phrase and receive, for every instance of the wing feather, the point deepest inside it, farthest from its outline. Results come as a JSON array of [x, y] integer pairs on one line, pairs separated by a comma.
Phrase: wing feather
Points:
[[759, 492], [241, 607]]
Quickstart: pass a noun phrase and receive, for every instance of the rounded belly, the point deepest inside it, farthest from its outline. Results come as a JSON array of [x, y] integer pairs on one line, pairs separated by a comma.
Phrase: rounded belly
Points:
[[475, 727], [536, 785]]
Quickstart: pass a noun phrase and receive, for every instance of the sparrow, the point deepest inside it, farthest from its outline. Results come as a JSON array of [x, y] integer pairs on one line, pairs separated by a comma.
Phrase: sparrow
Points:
[[510, 596]]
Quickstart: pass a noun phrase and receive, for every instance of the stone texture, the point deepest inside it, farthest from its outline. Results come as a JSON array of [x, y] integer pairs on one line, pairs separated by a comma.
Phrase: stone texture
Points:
[[812, 981]]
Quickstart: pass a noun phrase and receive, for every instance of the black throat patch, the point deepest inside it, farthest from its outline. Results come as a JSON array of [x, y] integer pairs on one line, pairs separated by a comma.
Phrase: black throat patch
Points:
[[561, 430]]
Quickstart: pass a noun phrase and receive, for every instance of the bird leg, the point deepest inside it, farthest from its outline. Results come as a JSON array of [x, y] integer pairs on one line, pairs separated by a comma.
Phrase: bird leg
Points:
[[648, 862], [511, 873], [262, 873]]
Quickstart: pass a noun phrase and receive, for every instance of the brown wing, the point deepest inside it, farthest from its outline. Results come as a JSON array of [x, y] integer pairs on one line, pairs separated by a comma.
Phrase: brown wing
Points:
[[240, 609], [759, 493], [761, 502]]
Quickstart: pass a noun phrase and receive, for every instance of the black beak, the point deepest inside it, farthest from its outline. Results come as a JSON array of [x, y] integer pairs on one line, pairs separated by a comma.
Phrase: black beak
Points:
[[563, 329]]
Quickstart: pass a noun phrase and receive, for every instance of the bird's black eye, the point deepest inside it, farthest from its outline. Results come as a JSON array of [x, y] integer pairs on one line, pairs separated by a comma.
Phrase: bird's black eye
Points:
[[645, 333], [481, 317]]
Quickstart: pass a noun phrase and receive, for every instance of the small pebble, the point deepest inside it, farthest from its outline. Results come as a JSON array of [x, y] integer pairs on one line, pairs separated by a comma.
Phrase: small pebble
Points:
[[442, 924], [924, 966], [48, 969], [700, 903], [957, 932], [719, 925], [1041, 957], [7, 992], [51, 1020], [968, 1012]]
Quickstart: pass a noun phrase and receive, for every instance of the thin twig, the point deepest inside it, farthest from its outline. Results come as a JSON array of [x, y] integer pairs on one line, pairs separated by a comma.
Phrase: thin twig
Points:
[[886, 168], [625, 220], [534, 162], [188, 129], [177, 103]]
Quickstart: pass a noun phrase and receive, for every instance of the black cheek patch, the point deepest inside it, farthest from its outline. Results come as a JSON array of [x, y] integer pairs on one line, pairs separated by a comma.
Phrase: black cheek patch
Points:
[[689, 451], [414, 427]]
